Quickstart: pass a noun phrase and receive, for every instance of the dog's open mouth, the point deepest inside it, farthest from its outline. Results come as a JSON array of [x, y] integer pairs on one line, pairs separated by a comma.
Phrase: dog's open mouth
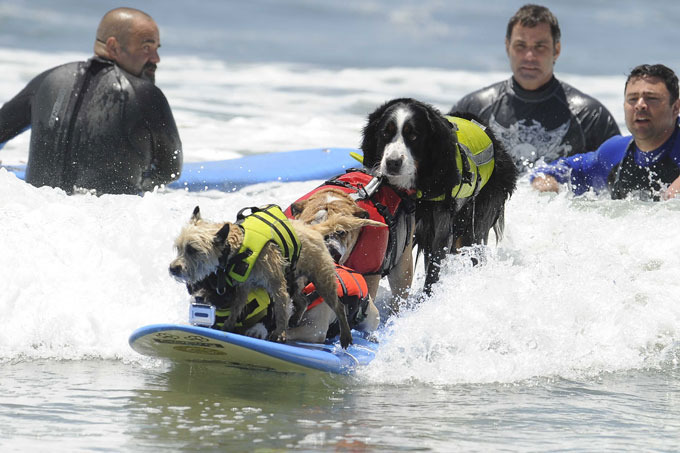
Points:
[[335, 247], [335, 253]]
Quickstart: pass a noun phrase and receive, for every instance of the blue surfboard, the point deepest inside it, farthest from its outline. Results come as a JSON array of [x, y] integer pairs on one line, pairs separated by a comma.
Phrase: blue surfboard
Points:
[[186, 343], [18, 170], [285, 166], [233, 174]]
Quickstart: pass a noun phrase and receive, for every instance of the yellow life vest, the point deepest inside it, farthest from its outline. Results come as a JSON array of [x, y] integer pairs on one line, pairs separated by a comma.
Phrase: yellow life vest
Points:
[[254, 312], [477, 147], [263, 225]]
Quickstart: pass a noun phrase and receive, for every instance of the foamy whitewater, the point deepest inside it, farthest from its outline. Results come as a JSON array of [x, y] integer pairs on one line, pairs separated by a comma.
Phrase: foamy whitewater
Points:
[[578, 286]]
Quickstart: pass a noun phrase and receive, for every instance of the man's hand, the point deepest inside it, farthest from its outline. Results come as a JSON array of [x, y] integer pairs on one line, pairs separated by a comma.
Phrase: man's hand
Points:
[[673, 190], [548, 183]]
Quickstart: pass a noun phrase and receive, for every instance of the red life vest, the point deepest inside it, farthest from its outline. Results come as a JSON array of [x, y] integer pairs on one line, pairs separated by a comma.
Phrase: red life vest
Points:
[[377, 249], [353, 294], [351, 284]]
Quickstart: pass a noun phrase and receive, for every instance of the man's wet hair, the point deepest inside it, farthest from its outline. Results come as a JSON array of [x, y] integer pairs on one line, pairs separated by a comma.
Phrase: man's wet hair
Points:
[[531, 15], [657, 70]]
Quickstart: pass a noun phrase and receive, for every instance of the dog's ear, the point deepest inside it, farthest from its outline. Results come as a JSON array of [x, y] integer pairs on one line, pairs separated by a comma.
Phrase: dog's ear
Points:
[[221, 235], [346, 223], [369, 143], [361, 213], [440, 175], [354, 223], [369, 222], [196, 216], [297, 208]]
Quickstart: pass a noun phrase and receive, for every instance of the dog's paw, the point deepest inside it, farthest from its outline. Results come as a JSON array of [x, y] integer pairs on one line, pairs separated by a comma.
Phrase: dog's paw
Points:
[[278, 337], [345, 340], [257, 331], [371, 336], [296, 318]]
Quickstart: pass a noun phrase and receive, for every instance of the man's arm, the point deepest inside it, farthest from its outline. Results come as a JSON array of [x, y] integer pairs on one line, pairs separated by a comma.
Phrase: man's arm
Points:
[[548, 178], [461, 106], [598, 124], [673, 190], [15, 114], [581, 170], [584, 171], [167, 156], [467, 104], [545, 183], [478, 102]]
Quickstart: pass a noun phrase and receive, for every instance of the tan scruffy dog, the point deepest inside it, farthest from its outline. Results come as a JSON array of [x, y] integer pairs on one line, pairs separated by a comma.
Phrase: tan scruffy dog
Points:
[[326, 203], [333, 205], [203, 247]]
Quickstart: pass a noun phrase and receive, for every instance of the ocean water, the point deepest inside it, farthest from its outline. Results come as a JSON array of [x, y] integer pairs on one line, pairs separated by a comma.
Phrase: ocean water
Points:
[[567, 338]]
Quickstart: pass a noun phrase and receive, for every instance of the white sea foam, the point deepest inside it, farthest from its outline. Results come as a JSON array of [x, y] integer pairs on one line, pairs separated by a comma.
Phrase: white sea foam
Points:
[[81, 272], [578, 287]]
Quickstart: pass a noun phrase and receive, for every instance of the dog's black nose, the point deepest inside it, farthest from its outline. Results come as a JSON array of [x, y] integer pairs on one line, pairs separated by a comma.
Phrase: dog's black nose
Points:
[[393, 165], [175, 271]]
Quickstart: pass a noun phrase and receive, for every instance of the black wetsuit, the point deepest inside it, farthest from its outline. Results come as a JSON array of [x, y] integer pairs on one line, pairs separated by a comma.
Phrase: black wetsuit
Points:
[[554, 121], [644, 181], [95, 126]]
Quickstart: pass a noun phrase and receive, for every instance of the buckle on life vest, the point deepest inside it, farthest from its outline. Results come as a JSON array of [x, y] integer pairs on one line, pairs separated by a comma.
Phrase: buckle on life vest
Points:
[[238, 263], [367, 191]]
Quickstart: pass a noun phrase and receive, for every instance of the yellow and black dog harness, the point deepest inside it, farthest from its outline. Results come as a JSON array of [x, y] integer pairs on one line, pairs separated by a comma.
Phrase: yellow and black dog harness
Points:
[[261, 226], [477, 166], [256, 310]]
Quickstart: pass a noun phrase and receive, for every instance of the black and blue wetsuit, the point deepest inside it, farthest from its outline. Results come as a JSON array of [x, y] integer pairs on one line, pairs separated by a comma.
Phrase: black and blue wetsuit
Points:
[[619, 167], [554, 121], [95, 126]]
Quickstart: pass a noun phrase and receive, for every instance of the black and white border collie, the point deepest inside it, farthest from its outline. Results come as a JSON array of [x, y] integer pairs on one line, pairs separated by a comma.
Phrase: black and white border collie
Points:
[[414, 147]]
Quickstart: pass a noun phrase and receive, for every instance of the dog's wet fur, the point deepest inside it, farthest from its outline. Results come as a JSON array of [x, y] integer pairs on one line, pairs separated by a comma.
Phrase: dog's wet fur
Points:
[[201, 243], [412, 145], [338, 208], [329, 203]]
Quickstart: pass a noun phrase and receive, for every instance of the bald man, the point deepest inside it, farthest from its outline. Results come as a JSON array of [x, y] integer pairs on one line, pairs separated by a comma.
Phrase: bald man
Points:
[[100, 125]]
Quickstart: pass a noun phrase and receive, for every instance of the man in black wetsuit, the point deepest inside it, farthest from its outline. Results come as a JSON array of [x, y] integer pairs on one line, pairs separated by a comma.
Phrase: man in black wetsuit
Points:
[[534, 114], [100, 124]]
